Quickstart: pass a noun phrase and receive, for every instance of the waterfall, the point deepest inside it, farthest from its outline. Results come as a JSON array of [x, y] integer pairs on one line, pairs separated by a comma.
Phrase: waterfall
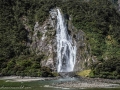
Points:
[[66, 50]]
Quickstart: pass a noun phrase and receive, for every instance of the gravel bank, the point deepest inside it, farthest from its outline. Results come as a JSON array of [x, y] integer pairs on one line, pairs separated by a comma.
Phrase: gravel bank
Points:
[[89, 83], [80, 83]]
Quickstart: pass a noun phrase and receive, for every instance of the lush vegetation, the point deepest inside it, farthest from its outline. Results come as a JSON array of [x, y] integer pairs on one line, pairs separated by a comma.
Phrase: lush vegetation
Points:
[[15, 57], [99, 19], [107, 69]]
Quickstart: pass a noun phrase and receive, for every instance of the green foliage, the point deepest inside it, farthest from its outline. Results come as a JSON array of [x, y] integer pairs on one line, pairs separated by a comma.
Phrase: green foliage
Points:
[[46, 72], [92, 75], [15, 57], [108, 69], [24, 66], [39, 35], [99, 19]]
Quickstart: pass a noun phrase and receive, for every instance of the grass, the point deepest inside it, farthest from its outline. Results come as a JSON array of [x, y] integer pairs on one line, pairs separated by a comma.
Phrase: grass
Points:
[[14, 85], [84, 73], [32, 85]]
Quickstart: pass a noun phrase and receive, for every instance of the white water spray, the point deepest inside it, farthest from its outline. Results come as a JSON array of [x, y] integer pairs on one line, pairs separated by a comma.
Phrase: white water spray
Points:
[[66, 50]]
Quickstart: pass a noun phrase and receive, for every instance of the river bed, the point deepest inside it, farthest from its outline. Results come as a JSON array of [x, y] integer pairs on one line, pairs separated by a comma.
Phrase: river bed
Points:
[[49, 84]]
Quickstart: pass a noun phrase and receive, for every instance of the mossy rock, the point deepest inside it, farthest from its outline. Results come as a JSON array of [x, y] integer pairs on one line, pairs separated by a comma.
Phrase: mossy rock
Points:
[[55, 74]]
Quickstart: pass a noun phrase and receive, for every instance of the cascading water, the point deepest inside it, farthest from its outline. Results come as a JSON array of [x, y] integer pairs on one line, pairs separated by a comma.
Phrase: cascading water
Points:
[[66, 50]]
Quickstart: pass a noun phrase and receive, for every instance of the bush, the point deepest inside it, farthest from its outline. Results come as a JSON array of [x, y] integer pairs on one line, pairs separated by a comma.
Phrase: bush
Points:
[[108, 69]]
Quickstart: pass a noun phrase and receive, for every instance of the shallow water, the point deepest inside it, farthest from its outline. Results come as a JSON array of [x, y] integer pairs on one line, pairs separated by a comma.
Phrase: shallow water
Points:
[[42, 85]]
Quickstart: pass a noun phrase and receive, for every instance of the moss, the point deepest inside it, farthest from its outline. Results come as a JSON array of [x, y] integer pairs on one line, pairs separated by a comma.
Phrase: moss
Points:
[[55, 74], [84, 73]]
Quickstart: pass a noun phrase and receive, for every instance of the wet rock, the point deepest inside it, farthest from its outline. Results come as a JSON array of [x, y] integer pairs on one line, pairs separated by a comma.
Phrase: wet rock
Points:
[[67, 74], [89, 83], [42, 40]]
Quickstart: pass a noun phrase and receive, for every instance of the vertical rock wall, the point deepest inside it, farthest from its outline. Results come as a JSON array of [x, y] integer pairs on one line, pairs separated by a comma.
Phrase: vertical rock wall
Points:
[[83, 55], [43, 42]]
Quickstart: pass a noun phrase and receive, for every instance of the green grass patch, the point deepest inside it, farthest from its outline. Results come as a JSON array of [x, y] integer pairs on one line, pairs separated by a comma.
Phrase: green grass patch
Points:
[[84, 73]]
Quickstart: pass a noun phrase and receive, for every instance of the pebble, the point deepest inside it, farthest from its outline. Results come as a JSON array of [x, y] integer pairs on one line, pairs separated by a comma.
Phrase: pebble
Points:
[[89, 83]]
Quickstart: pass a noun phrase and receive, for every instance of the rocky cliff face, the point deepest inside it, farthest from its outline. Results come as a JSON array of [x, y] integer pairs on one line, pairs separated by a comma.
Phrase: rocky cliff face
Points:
[[83, 55], [42, 41]]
